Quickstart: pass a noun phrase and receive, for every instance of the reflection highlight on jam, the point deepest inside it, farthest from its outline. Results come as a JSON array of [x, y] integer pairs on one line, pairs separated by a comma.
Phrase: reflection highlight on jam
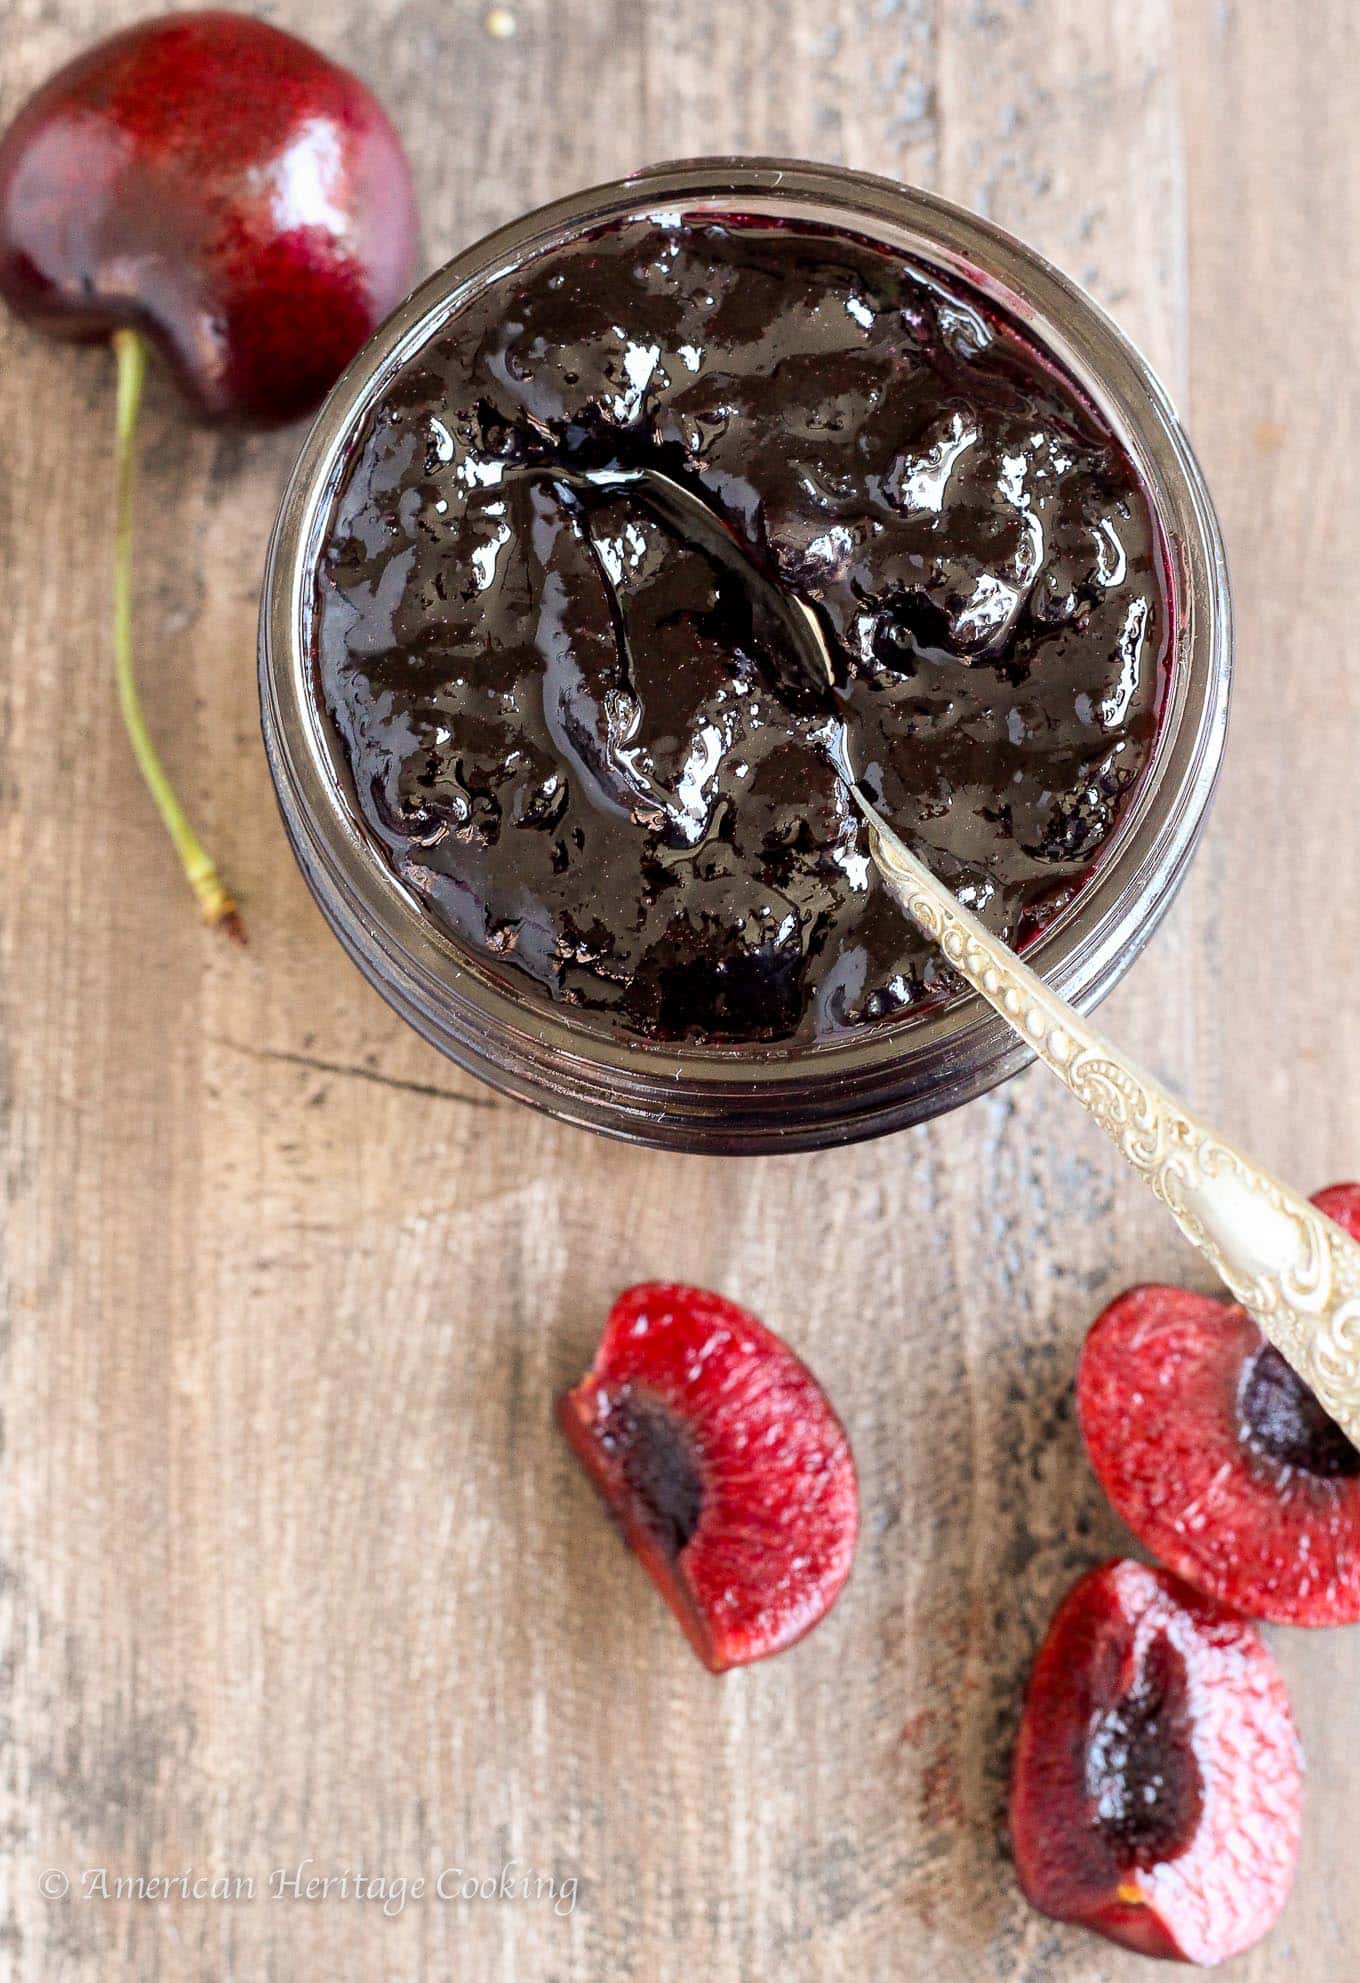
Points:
[[571, 730]]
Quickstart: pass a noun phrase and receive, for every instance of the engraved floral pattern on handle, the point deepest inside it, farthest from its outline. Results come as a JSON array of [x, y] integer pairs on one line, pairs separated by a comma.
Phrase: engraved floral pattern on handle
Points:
[[1292, 1268]]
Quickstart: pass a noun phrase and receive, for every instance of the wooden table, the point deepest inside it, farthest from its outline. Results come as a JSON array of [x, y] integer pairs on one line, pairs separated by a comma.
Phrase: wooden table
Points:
[[296, 1564]]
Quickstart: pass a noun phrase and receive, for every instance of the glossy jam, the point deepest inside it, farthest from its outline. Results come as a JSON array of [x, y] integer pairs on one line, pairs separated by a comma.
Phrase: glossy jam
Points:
[[574, 734]]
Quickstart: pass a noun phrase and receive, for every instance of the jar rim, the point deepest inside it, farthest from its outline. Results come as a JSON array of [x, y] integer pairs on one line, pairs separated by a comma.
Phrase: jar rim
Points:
[[735, 1097]]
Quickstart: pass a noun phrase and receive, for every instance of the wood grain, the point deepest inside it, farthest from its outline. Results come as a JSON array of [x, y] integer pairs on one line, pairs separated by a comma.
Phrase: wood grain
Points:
[[295, 1564]]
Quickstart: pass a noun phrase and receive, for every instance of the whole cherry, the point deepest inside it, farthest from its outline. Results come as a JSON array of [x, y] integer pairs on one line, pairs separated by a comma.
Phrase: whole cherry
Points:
[[216, 188]]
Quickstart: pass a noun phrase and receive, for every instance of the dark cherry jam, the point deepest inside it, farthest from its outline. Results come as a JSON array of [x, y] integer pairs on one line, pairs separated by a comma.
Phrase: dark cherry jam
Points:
[[572, 731]]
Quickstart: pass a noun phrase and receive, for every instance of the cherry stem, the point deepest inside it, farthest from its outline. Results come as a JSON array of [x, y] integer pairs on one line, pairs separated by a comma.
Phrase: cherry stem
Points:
[[216, 905]]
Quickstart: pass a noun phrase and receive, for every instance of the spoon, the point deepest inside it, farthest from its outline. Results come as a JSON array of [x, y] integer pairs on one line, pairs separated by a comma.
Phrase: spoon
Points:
[[1295, 1272]]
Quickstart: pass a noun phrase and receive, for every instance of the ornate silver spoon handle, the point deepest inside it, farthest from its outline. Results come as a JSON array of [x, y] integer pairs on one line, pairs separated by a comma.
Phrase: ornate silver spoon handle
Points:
[[1294, 1270]]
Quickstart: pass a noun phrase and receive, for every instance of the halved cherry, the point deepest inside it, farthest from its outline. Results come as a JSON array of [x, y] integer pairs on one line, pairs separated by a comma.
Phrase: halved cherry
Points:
[[724, 1462], [1158, 1783], [1219, 1457]]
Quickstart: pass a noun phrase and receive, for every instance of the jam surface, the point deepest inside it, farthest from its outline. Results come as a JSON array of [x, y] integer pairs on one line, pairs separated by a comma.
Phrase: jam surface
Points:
[[573, 731]]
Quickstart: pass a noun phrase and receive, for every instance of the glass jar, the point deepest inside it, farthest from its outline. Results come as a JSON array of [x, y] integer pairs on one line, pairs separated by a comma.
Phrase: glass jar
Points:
[[744, 1098]]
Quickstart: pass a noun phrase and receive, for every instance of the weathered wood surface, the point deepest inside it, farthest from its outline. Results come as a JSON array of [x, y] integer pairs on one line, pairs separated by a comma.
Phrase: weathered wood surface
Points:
[[295, 1563]]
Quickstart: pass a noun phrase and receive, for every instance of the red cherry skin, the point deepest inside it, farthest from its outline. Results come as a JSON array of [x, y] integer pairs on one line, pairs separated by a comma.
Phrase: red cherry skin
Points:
[[222, 187]]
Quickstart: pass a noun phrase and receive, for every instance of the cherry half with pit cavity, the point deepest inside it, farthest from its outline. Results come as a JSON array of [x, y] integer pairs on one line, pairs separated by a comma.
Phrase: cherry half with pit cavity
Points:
[[721, 1457], [213, 187], [1218, 1456], [1157, 1784]]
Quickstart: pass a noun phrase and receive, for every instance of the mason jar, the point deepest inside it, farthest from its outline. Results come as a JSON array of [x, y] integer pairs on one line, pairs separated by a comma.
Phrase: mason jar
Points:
[[743, 1098]]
